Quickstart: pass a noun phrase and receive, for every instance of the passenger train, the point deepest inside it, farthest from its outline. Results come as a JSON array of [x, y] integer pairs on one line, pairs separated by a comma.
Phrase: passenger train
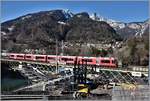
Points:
[[110, 62]]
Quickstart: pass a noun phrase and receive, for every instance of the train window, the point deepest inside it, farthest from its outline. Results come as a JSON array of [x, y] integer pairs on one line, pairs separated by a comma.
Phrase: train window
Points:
[[28, 56], [88, 60], [105, 61], [66, 59], [12, 55], [39, 57], [19, 56], [51, 58], [70, 59]]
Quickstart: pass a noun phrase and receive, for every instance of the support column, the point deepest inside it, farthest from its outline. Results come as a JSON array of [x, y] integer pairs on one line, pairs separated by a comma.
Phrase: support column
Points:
[[56, 67], [20, 66], [95, 69], [149, 52], [92, 69], [149, 73], [44, 86], [56, 56]]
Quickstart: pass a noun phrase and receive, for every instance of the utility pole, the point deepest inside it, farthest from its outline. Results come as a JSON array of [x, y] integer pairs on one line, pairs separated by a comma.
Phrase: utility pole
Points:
[[56, 55], [149, 53], [62, 47], [61, 32], [149, 73]]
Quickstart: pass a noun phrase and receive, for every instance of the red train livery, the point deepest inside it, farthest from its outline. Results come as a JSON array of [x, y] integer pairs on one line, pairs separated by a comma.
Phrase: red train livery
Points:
[[98, 61]]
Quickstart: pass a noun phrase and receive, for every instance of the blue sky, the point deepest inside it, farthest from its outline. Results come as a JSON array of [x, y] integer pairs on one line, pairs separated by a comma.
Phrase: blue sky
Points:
[[125, 11]]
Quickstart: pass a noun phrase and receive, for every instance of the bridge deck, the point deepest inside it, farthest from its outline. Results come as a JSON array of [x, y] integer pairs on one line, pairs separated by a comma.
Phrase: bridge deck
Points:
[[63, 64]]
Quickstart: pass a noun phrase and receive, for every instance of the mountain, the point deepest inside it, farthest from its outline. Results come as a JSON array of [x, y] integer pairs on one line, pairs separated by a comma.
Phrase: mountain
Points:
[[41, 29], [126, 30], [85, 29], [136, 29], [115, 24]]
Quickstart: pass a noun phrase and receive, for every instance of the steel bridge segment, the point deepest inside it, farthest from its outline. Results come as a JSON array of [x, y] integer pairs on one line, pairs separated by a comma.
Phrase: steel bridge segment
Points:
[[115, 77], [28, 62], [107, 76], [67, 66], [127, 72], [34, 74], [123, 77], [119, 76], [111, 77], [102, 73], [121, 70], [62, 64], [40, 65], [132, 79]]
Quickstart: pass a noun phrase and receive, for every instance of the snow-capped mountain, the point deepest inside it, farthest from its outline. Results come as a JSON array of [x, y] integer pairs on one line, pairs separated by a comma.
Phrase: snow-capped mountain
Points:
[[140, 27], [41, 29], [68, 14], [113, 23], [62, 16], [125, 29]]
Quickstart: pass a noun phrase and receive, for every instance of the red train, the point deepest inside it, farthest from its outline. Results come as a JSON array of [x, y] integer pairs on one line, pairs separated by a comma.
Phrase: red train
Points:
[[99, 61]]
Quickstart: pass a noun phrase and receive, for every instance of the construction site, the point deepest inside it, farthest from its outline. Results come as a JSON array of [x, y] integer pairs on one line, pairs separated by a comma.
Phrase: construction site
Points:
[[78, 82]]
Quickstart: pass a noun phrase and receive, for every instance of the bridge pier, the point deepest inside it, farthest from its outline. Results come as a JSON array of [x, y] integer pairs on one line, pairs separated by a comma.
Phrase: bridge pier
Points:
[[95, 68], [20, 66], [44, 86], [56, 68], [149, 72], [92, 69]]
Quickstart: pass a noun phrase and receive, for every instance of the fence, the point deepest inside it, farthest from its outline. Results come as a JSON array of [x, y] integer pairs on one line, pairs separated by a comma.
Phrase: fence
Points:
[[136, 93]]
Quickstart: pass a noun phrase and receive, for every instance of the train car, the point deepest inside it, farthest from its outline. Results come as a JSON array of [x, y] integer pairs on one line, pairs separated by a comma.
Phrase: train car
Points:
[[12, 55], [41, 58], [20, 56], [107, 62], [114, 62], [29, 57], [99, 61], [89, 60], [52, 58], [67, 59], [16, 56]]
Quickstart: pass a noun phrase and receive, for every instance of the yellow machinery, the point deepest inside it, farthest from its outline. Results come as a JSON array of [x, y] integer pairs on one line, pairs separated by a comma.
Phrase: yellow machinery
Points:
[[82, 88], [82, 91]]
